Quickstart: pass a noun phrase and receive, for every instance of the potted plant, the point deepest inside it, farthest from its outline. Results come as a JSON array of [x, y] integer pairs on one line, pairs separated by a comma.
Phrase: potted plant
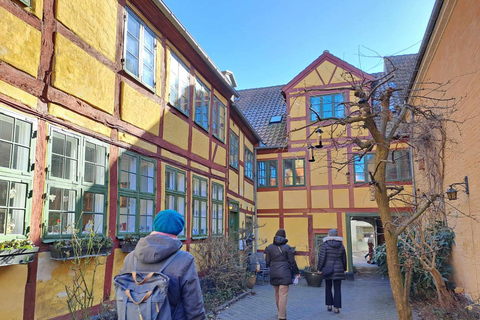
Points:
[[250, 280], [314, 279], [18, 251], [129, 242]]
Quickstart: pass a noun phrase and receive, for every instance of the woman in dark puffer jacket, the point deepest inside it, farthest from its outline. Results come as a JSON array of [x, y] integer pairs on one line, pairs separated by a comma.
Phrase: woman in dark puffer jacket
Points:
[[280, 260], [333, 255]]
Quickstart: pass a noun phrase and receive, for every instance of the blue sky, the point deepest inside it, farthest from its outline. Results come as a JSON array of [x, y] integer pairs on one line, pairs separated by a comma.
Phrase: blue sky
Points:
[[268, 42]]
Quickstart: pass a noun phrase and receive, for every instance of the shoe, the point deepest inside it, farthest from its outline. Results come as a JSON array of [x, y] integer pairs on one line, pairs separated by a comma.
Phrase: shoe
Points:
[[336, 310], [329, 308]]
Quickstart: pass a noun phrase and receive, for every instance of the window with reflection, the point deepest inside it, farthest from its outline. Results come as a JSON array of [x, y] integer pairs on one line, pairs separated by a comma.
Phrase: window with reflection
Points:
[[200, 204], [16, 173], [136, 194], [327, 106], [267, 173], [398, 170], [217, 209], [294, 172], [175, 192], [179, 85], [202, 105], [76, 185]]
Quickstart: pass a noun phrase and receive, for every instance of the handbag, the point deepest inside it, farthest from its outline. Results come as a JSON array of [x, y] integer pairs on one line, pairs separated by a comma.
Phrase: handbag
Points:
[[327, 272]]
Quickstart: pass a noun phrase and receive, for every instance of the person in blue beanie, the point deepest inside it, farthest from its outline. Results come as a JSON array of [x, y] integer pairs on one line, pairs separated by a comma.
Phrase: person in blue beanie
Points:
[[184, 292]]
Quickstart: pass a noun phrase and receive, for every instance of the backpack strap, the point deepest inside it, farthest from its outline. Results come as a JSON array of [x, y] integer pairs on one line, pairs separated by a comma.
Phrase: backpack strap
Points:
[[150, 275], [170, 259]]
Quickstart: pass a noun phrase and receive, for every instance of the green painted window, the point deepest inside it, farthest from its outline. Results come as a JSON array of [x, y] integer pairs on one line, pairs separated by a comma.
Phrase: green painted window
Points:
[[294, 172], [176, 192], [217, 209], [233, 150], [26, 2], [140, 50], [136, 194], [248, 164], [327, 106], [218, 119], [267, 173], [202, 105], [200, 204], [76, 198], [398, 171], [16, 173], [179, 85]]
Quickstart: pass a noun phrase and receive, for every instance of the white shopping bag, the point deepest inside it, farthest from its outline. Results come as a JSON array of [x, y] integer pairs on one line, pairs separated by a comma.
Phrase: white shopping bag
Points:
[[295, 281]]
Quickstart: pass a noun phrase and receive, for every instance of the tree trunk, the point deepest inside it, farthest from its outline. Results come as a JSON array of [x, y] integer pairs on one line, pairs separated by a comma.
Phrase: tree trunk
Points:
[[443, 295], [381, 197]]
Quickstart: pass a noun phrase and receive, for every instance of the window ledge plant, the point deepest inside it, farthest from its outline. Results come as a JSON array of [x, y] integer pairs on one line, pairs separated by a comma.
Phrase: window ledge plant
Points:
[[90, 245], [129, 242], [17, 251]]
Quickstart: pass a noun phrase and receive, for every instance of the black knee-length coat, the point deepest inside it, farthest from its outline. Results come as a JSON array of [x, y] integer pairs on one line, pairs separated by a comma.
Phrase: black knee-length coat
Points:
[[333, 254], [279, 257]]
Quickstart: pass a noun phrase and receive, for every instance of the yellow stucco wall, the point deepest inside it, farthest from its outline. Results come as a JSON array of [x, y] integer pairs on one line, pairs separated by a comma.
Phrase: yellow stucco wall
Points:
[[19, 43], [139, 110], [362, 198], [297, 231], [98, 28], [52, 275], [248, 191], [297, 135], [13, 280], [324, 220], [267, 199], [267, 230], [297, 107], [221, 156], [173, 156], [320, 199], [199, 166], [18, 94], [95, 84], [340, 198], [70, 116], [294, 199], [233, 180], [200, 143], [134, 141], [175, 130], [319, 169], [117, 265]]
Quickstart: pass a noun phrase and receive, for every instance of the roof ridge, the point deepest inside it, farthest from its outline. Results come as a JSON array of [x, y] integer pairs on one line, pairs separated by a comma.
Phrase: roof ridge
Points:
[[278, 85]]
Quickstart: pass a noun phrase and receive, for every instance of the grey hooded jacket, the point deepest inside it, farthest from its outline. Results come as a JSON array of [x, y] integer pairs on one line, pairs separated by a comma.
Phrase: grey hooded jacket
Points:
[[333, 254], [184, 292]]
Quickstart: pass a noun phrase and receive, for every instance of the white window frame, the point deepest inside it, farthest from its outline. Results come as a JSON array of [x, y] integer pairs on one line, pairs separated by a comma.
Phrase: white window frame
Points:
[[143, 28]]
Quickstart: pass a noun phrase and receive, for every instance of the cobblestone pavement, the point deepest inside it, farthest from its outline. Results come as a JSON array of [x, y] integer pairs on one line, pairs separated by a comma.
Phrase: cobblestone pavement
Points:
[[367, 297]]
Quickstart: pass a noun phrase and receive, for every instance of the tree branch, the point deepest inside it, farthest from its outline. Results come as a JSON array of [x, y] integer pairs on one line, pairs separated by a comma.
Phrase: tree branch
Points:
[[418, 214]]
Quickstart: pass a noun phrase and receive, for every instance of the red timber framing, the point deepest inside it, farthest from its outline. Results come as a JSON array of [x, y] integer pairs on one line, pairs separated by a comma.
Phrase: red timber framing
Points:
[[42, 88]]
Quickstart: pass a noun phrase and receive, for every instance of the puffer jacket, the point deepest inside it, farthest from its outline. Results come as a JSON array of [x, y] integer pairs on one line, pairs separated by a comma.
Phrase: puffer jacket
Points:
[[281, 262], [333, 254], [184, 292]]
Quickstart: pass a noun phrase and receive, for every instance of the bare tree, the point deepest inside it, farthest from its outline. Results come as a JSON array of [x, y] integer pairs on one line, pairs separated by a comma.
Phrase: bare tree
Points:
[[389, 126]]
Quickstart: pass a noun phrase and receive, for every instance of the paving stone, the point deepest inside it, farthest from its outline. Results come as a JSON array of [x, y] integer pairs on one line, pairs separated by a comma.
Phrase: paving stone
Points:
[[367, 297]]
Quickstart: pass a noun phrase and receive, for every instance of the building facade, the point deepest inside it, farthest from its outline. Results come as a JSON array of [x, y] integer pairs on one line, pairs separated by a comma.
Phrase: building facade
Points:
[[308, 189], [450, 55], [110, 112]]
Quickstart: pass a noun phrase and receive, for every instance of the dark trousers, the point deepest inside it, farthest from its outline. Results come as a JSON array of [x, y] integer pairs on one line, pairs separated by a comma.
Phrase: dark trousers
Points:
[[336, 298]]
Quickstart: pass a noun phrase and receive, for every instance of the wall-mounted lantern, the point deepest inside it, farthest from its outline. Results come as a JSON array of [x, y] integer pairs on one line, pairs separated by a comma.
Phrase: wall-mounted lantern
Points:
[[452, 192], [310, 151], [319, 138]]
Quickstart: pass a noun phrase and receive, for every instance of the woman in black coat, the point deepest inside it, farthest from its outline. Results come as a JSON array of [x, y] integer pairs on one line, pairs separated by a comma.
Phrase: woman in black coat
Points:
[[280, 260], [333, 256]]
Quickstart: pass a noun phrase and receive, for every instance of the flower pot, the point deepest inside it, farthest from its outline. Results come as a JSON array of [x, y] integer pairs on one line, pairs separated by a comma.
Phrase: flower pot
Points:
[[66, 253], [127, 246], [17, 256], [313, 279], [250, 281]]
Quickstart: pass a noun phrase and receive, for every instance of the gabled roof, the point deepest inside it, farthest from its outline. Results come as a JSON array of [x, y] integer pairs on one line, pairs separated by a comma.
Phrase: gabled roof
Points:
[[404, 65], [326, 56], [259, 105]]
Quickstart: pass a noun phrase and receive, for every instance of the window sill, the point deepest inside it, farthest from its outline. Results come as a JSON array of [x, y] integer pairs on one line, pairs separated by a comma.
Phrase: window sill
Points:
[[207, 130], [222, 141], [137, 80], [179, 110], [233, 168], [200, 237]]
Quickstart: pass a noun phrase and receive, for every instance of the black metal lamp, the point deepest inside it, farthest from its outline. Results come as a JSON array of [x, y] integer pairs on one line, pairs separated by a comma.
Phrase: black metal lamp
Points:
[[452, 192], [319, 138], [310, 151]]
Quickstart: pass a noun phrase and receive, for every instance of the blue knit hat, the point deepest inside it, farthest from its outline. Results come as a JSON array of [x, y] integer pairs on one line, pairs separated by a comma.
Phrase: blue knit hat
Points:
[[169, 221]]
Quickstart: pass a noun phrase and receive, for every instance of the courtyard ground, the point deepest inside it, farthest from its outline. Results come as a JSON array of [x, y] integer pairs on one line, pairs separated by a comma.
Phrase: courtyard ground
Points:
[[367, 297]]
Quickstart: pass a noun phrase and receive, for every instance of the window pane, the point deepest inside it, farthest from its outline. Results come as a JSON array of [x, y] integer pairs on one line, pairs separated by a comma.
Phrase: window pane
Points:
[[100, 175], [132, 181], [148, 77], [132, 45], [170, 180], [170, 203], [6, 127], [58, 143], [5, 154], [288, 173], [3, 220], [89, 152], [133, 26], [23, 132], [181, 182], [220, 193], [132, 64], [89, 174], [196, 186], [88, 202], [181, 205], [71, 147], [3, 193], [273, 174], [204, 188], [148, 40], [101, 155], [70, 169], [299, 172]]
